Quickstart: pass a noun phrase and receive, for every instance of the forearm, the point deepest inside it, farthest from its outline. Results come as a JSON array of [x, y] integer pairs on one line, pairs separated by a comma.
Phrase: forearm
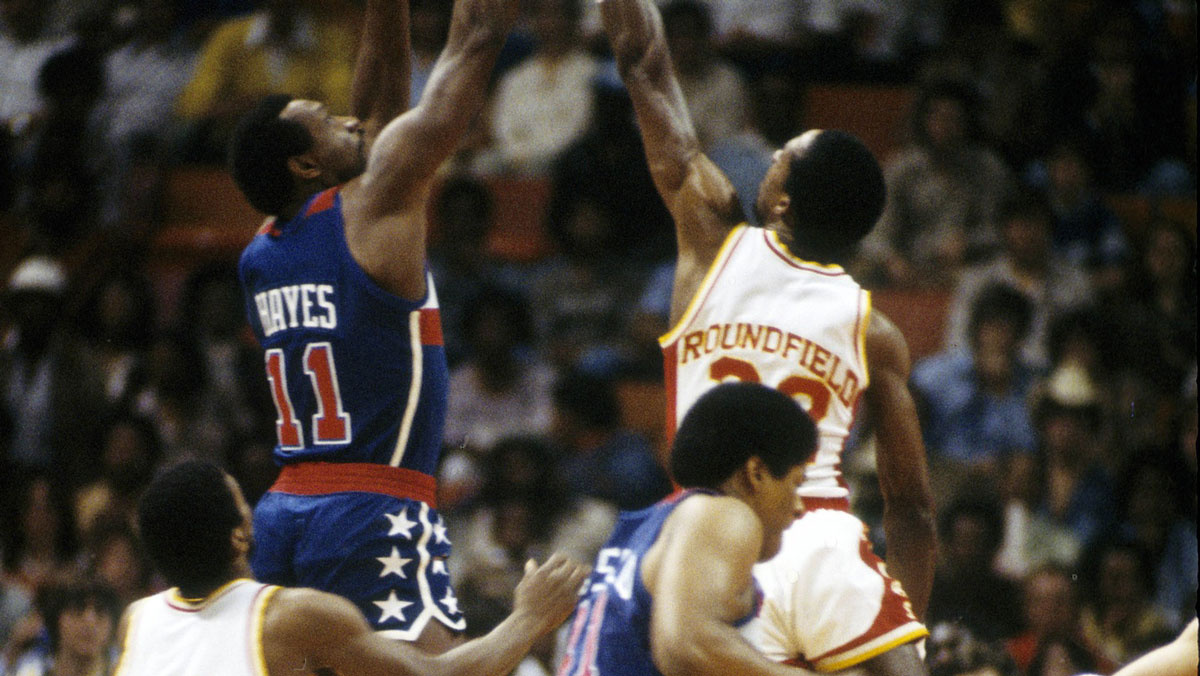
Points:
[[713, 651], [495, 654], [382, 70], [911, 550]]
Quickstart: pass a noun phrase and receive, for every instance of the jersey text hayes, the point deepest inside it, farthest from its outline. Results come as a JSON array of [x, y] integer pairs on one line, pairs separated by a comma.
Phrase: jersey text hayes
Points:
[[769, 340], [295, 305]]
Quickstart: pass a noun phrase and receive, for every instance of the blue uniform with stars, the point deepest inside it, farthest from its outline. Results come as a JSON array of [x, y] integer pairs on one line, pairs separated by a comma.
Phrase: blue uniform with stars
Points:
[[610, 631], [359, 380]]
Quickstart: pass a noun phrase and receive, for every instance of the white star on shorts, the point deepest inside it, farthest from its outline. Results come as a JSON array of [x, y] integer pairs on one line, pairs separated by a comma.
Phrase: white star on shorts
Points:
[[439, 533], [400, 524], [450, 602], [438, 567], [393, 563], [392, 607]]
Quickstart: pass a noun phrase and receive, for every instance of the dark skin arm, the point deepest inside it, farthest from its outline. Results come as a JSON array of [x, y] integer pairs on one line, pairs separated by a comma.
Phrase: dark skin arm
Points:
[[384, 208], [382, 70], [701, 199], [900, 457], [305, 630], [899, 661], [699, 574]]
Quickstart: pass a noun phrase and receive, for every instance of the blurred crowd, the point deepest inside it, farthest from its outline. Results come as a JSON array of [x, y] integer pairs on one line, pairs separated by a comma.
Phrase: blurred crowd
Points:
[[1060, 413]]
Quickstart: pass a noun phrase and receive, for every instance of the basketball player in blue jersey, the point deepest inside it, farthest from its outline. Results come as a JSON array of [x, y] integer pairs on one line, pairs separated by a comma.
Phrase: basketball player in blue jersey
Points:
[[673, 582], [339, 295], [216, 621]]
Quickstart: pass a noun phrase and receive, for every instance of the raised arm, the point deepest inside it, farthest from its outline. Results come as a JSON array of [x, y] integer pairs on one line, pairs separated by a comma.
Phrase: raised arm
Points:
[[307, 629], [699, 584], [900, 459], [699, 196], [385, 207], [410, 149], [382, 71]]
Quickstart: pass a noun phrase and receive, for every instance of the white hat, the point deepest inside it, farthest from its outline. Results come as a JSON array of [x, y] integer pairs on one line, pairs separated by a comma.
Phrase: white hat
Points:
[[38, 273]]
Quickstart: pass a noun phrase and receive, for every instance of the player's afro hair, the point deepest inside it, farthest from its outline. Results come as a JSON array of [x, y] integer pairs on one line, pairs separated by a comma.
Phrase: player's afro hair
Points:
[[259, 151], [734, 422], [185, 519], [837, 194]]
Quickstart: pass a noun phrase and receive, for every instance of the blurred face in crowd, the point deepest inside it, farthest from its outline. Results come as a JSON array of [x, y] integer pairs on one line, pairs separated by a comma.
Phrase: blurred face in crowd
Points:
[[1050, 608], [945, 123], [22, 17], [1027, 238], [85, 631]]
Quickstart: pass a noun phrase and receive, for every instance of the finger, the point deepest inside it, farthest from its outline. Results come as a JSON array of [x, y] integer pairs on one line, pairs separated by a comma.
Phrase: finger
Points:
[[530, 566]]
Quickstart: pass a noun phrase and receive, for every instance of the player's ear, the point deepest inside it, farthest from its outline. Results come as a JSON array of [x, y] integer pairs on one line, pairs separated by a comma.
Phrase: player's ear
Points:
[[241, 540], [781, 205], [756, 471], [303, 166]]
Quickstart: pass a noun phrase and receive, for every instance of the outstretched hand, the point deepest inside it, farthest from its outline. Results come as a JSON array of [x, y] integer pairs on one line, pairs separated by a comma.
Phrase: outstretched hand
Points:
[[547, 593]]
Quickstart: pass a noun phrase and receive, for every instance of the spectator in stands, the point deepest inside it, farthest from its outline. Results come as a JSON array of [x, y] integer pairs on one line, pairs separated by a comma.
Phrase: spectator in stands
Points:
[[115, 557], [1156, 309], [1079, 491], [966, 588], [599, 458], [1086, 232], [954, 651], [1032, 537], [523, 510], [26, 41], [1154, 506], [504, 387], [118, 321], [1026, 263], [130, 450], [1052, 642], [458, 257], [59, 156], [1118, 84], [715, 91], [974, 397], [40, 541], [189, 417], [607, 165], [944, 191], [580, 295], [285, 46], [544, 103], [51, 390], [80, 618], [430, 24], [212, 317], [1119, 617], [145, 76]]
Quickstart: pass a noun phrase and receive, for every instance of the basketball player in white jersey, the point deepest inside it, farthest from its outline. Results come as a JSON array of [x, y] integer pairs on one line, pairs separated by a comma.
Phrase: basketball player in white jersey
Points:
[[772, 305], [197, 529]]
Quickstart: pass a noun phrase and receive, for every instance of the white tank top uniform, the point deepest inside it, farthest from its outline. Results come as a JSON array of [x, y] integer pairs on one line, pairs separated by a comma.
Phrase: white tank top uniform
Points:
[[762, 315], [220, 634]]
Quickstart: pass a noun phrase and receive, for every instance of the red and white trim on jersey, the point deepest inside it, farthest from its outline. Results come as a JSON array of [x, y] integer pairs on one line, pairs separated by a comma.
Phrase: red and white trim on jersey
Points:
[[424, 328]]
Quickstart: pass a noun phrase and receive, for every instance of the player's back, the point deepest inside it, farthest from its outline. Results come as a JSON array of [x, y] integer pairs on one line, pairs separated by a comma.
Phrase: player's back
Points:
[[221, 634], [610, 630], [357, 374], [763, 315]]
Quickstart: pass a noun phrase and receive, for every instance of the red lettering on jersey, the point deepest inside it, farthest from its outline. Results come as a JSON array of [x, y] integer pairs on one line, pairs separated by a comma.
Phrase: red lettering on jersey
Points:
[[431, 326]]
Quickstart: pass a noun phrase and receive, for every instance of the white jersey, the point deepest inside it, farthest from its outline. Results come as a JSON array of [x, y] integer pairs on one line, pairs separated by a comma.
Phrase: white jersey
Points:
[[220, 634], [763, 315]]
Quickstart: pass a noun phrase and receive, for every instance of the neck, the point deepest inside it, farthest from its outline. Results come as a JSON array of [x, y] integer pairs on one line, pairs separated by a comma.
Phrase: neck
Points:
[[67, 663]]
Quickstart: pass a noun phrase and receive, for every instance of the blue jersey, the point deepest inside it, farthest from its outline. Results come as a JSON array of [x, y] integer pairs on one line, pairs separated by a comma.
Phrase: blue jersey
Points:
[[610, 631], [358, 374]]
